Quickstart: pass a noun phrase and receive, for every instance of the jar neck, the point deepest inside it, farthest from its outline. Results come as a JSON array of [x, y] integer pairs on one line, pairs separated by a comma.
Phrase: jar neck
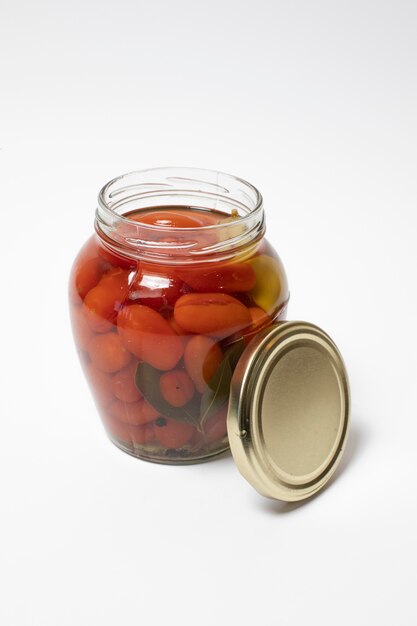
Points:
[[179, 187]]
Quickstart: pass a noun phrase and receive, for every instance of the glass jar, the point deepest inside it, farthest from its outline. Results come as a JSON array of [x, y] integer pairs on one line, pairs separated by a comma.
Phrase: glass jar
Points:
[[164, 297]]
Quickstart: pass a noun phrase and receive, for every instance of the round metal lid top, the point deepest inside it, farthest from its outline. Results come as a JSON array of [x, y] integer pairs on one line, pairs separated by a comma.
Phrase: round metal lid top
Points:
[[289, 411]]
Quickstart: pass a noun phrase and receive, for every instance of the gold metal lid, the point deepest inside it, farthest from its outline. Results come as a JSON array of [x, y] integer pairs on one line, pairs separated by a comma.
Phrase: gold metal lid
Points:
[[288, 414]]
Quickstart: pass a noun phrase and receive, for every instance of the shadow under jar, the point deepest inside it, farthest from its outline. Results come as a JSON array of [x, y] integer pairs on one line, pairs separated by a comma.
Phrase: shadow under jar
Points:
[[164, 297]]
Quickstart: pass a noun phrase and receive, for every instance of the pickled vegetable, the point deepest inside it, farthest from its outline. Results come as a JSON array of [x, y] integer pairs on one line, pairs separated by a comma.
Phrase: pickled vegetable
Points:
[[100, 384], [147, 335], [216, 314], [87, 271], [123, 384], [157, 287], [176, 387], [133, 413], [202, 357], [269, 288], [108, 354], [134, 435], [228, 278], [258, 316], [159, 341]]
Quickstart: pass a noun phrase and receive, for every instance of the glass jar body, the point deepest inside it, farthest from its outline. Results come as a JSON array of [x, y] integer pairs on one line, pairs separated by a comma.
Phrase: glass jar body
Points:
[[158, 339]]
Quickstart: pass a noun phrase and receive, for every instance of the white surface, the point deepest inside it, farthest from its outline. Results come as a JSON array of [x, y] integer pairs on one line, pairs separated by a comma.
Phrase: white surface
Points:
[[315, 103]]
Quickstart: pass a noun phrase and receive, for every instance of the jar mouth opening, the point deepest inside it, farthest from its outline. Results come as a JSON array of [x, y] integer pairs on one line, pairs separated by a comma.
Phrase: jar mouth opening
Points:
[[173, 186]]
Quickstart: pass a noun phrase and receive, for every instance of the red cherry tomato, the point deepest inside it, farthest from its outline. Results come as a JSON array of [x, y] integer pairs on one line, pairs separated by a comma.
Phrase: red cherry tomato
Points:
[[258, 316], [227, 277], [156, 286], [108, 353], [86, 271], [216, 314], [183, 335], [102, 303], [176, 387], [138, 435], [147, 335], [100, 384], [98, 309], [202, 357], [133, 413], [123, 384]]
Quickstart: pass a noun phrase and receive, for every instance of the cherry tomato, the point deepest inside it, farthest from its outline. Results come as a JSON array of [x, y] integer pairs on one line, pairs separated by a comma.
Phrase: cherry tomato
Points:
[[86, 271], [108, 353], [117, 280], [98, 309], [176, 387], [183, 335], [146, 334], [100, 384], [202, 357], [216, 314], [227, 278], [87, 276], [127, 433], [258, 316], [156, 286], [123, 384], [133, 413], [102, 303]]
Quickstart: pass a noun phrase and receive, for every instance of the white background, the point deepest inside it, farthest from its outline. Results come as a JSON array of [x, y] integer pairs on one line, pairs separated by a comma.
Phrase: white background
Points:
[[315, 103]]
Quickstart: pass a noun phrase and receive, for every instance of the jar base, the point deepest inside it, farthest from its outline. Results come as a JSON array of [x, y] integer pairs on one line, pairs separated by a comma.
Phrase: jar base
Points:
[[139, 453]]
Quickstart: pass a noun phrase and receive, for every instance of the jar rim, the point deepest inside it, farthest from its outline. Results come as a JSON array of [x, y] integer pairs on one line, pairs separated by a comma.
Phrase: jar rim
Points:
[[196, 188], [104, 196]]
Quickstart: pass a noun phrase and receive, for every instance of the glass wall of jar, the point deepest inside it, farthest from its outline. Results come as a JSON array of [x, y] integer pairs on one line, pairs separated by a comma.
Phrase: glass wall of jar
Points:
[[164, 297]]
